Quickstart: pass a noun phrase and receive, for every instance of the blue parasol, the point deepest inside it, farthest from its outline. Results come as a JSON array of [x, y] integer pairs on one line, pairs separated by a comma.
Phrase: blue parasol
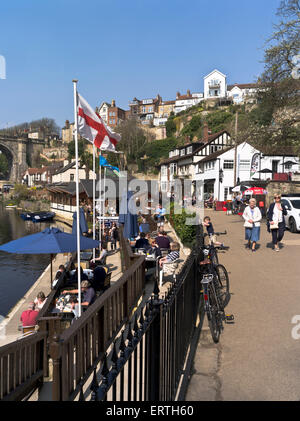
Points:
[[131, 227], [50, 241], [82, 222]]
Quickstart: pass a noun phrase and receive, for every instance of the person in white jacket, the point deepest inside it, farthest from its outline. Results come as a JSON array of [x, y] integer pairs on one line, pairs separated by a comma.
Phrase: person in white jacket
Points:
[[252, 217]]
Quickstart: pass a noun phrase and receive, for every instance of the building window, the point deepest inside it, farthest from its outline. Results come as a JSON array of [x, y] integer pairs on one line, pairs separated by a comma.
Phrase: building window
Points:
[[164, 170], [228, 164], [173, 169], [226, 192], [244, 164], [71, 177], [150, 110], [143, 110], [182, 152], [164, 186], [189, 149]]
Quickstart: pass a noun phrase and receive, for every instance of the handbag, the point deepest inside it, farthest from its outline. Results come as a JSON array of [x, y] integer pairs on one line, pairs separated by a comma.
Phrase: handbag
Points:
[[274, 226]]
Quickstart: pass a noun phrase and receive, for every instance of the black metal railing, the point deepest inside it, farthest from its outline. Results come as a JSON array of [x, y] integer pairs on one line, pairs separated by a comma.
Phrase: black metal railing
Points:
[[149, 359]]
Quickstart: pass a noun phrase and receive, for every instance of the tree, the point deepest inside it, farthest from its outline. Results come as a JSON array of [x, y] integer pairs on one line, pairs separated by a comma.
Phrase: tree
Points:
[[133, 140], [284, 44], [276, 120], [170, 126], [84, 156], [46, 125], [219, 120]]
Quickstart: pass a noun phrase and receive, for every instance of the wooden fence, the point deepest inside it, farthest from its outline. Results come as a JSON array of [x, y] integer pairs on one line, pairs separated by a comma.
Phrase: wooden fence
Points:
[[80, 348], [22, 366]]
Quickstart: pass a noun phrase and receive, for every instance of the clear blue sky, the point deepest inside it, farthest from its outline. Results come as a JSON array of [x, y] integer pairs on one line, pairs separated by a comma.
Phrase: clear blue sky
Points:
[[120, 49]]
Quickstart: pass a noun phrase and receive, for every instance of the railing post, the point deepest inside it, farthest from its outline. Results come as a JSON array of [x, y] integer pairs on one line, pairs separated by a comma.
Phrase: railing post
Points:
[[55, 353], [154, 355]]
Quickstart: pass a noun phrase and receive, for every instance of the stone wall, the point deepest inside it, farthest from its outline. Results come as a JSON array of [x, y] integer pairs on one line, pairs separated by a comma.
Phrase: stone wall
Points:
[[283, 187]]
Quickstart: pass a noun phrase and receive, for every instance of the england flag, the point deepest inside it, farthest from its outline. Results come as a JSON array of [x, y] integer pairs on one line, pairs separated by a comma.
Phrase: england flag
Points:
[[92, 127]]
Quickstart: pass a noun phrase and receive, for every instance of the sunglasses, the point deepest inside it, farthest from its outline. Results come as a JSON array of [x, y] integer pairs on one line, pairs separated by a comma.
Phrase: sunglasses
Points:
[[277, 197]]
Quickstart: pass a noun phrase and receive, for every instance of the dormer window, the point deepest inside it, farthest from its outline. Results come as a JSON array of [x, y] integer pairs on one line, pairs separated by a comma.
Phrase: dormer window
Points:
[[182, 152]]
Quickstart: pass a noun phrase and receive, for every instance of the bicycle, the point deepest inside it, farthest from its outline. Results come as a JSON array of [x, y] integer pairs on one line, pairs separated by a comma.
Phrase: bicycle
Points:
[[211, 265], [213, 256], [213, 308]]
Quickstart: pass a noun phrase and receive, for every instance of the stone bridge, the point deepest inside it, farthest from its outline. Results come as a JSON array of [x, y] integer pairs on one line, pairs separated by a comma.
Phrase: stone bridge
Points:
[[20, 152]]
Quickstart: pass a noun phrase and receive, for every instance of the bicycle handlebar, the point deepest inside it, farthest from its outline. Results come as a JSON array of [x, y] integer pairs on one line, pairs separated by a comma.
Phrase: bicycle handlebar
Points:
[[217, 233]]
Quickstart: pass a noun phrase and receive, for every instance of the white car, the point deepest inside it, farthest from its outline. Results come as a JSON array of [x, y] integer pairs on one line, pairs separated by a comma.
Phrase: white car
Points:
[[292, 205]]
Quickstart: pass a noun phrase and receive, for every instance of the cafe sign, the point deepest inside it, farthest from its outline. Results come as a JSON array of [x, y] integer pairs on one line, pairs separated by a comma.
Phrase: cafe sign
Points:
[[254, 164]]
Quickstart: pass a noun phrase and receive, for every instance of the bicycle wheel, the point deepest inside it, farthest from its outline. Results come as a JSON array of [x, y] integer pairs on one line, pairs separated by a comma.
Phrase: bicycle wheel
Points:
[[214, 257], [213, 319], [222, 285]]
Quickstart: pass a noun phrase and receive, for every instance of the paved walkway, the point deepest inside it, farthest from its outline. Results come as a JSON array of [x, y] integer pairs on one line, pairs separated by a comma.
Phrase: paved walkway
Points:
[[257, 358]]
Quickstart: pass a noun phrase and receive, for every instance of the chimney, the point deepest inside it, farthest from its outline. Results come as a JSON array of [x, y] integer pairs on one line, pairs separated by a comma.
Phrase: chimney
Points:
[[205, 132], [188, 92], [67, 124], [177, 95], [113, 103]]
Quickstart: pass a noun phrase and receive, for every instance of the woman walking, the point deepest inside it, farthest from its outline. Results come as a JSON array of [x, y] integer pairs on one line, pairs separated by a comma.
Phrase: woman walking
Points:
[[276, 222], [252, 216]]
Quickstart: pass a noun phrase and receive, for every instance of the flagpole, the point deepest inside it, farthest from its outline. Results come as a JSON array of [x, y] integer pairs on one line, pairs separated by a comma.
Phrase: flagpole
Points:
[[77, 194], [94, 196], [100, 205], [104, 202]]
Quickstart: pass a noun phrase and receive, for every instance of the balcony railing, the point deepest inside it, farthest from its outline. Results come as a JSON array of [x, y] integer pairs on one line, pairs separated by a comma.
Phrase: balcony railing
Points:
[[214, 85]]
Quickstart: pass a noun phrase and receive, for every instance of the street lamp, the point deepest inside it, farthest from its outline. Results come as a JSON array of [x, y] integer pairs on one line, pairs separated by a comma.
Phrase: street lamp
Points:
[[221, 175]]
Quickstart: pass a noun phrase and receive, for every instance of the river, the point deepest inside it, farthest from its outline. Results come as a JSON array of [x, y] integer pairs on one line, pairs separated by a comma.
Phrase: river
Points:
[[18, 272]]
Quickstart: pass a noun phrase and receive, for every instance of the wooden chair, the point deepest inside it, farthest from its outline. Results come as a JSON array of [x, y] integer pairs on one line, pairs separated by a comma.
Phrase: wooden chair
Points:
[[164, 252], [28, 329], [168, 269], [107, 281]]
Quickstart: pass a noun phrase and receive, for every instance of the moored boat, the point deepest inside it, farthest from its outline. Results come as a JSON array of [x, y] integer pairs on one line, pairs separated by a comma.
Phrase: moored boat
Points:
[[27, 216], [43, 216]]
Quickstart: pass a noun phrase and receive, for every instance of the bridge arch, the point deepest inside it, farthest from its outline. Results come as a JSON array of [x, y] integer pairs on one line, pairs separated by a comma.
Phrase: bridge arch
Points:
[[11, 159]]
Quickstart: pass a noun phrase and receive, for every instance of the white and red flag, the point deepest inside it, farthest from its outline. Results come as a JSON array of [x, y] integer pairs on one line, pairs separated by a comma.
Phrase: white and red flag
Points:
[[92, 127]]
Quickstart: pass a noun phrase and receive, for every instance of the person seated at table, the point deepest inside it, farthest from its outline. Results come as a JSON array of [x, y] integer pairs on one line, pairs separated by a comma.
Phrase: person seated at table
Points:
[[29, 316], [63, 270], [74, 277], [103, 255], [142, 242], [162, 240], [99, 278], [159, 215], [172, 256], [74, 306], [153, 248], [87, 293], [40, 300]]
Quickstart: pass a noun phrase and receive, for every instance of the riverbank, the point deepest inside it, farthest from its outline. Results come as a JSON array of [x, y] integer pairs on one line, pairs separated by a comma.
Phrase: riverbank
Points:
[[9, 326]]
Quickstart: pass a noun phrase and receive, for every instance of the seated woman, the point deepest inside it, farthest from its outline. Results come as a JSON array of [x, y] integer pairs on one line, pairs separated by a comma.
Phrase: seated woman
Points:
[[172, 256], [40, 301], [153, 248]]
